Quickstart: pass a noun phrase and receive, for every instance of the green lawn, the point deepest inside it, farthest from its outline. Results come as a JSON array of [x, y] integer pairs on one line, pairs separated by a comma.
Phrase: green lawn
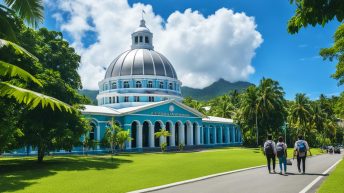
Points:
[[334, 182], [127, 172]]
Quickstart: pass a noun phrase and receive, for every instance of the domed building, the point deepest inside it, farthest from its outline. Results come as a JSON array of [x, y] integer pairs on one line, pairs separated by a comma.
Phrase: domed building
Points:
[[142, 94], [139, 76]]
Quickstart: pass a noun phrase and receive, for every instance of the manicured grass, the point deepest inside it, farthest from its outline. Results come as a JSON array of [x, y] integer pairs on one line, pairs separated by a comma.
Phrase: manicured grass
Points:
[[334, 182], [125, 173]]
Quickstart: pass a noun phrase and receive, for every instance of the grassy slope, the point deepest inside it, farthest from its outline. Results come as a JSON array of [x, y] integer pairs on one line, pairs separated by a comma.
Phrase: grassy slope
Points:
[[334, 183], [127, 172]]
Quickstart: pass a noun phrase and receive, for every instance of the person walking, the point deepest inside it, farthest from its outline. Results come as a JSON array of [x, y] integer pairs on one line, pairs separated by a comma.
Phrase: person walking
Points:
[[270, 153], [281, 149], [300, 150]]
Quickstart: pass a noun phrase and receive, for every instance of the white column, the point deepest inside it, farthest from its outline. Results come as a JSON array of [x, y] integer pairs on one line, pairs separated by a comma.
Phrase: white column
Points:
[[201, 130], [128, 143], [181, 134], [220, 136], [215, 135], [173, 136], [189, 133], [139, 136], [98, 136], [198, 136], [227, 134], [151, 135], [208, 135]]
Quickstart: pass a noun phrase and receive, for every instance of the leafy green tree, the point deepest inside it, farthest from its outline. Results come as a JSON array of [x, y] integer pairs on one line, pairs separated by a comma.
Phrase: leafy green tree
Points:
[[32, 12], [320, 12], [223, 107], [164, 134]]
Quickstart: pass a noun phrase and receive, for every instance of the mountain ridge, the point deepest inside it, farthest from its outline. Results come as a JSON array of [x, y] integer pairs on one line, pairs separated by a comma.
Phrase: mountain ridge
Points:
[[216, 89]]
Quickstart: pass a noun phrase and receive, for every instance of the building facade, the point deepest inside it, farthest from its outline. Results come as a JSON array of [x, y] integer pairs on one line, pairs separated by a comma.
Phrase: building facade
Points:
[[141, 93]]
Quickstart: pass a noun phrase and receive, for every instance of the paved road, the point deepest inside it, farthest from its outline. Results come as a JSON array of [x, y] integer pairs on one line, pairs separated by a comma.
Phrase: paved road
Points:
[[258, 180]]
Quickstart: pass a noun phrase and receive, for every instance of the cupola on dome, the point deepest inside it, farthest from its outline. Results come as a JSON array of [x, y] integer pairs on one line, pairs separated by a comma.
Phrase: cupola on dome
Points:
[[141, 59]]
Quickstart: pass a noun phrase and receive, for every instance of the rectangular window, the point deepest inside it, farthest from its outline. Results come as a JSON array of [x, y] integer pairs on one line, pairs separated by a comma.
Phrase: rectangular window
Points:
[[110, 101], [151, 99], [136, 98], [117, 99], [136, 39], [126, 99], [146, 40], [141, 39]]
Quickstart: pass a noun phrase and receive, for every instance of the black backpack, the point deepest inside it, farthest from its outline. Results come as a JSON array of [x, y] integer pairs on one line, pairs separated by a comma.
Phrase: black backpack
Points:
[[269, 149], [280, 150]]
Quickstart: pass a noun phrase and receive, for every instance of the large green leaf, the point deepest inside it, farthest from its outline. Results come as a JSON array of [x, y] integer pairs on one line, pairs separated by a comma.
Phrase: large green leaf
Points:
[[17, 48], [7, 27], [10, 70], [29, 10], [31, 98]]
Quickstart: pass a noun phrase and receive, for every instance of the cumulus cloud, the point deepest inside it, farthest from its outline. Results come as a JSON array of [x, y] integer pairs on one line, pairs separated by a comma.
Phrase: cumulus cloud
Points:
[[202, 49]]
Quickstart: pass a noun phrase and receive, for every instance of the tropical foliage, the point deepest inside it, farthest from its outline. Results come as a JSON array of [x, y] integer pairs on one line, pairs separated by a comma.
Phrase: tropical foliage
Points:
[[163, 133], [262, 110], [40, 73]]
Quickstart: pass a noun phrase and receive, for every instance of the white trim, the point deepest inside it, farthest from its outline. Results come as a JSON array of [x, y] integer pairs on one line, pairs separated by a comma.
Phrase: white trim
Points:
[[138, 77], [309, 186], [163, 116]]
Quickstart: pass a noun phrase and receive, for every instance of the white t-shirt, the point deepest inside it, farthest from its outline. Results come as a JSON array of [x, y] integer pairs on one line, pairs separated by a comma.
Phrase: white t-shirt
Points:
[[301, 154]]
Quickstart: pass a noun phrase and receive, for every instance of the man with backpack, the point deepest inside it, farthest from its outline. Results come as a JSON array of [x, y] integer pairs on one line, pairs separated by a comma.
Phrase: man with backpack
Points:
[[270, 153], [281, 149], [300, 150]]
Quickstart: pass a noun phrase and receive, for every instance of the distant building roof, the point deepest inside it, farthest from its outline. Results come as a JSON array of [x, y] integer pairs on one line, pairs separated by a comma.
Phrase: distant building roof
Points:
[[211, 119]]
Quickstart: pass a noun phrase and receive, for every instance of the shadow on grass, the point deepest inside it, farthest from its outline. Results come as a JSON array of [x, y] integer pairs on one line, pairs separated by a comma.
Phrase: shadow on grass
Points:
[[16, 174]]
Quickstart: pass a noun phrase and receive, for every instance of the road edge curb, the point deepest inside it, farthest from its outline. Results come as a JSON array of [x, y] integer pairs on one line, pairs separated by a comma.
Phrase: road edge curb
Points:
[[193, 180]]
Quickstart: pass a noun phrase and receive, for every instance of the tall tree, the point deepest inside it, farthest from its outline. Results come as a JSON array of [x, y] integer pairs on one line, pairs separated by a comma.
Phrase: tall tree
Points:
[[300, 113]]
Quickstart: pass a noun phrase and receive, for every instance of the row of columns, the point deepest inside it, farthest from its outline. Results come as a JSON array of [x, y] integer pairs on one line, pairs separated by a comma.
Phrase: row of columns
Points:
[[195, 135]]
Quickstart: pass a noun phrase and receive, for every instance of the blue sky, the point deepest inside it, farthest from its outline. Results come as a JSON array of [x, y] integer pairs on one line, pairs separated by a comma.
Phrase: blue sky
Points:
[[293, 60]]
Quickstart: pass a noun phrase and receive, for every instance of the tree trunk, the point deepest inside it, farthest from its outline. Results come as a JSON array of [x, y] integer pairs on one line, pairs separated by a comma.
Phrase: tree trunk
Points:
[[40, 154]]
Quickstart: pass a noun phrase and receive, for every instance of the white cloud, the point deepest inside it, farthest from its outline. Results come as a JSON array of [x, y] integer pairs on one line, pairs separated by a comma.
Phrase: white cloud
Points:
[[202, 49]]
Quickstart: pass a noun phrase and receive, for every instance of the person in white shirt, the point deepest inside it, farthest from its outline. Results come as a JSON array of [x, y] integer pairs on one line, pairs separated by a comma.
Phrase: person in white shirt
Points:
[[270, 153], [300, 150], [281, 149]]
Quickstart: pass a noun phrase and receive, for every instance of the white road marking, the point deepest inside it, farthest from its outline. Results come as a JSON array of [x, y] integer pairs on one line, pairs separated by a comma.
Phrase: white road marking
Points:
[[309, 186]]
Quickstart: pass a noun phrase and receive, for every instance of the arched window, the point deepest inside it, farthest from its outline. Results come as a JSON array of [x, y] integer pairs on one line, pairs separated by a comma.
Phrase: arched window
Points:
[[138, 84], [161, 84], [146, 40], [136, 39], [126, 84], [170, 86], [150, 84], [93, 128], [113, 85], [141, 38]]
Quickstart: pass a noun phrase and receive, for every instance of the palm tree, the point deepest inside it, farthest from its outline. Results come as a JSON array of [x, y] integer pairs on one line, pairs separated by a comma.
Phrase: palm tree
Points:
[[270, 98], [164, 134], [122, 137], [32, 12], [224, 107], [300, 112], [248, 108]]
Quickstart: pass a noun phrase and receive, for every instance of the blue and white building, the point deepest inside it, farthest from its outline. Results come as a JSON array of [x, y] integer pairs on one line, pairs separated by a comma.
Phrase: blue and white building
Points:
[[142, 93]]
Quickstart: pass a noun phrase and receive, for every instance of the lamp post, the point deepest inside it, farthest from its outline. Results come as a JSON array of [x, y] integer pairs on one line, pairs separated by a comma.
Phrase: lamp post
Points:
[[285, 125]]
